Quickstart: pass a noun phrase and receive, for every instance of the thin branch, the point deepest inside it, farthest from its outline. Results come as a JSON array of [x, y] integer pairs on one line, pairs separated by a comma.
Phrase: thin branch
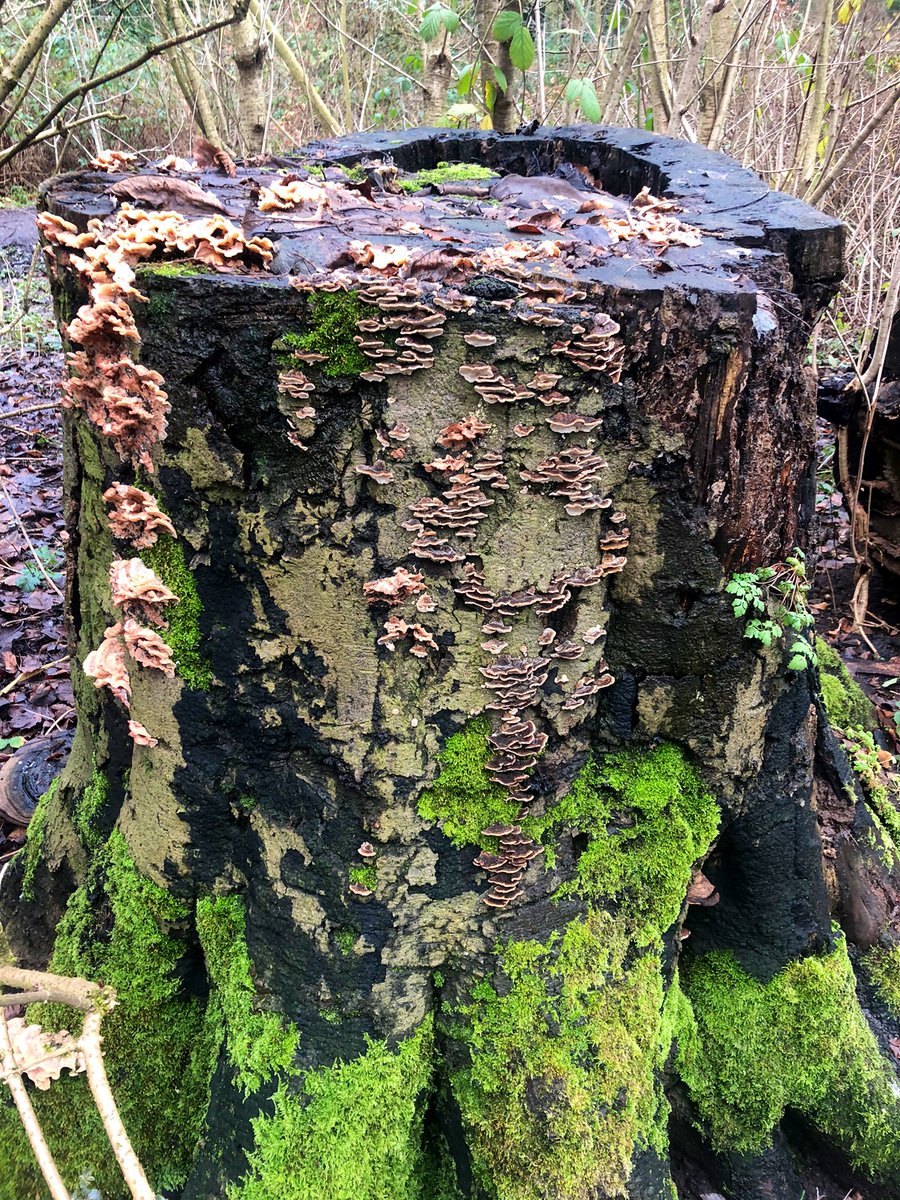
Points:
[[24, 533], [24, 675], [132, 1172], [49, 1170], [20, 412], [238, 13], [827, 181]]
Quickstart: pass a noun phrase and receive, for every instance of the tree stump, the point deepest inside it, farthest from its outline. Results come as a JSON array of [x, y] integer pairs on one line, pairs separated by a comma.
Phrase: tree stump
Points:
[[402, 499]]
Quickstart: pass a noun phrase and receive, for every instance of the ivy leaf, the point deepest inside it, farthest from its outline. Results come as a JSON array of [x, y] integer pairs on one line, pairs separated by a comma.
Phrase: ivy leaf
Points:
[[507, 23], [521, 49]]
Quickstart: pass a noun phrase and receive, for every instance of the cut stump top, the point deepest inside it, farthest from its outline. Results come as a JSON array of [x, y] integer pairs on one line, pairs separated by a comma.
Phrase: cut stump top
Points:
[[715, 240]]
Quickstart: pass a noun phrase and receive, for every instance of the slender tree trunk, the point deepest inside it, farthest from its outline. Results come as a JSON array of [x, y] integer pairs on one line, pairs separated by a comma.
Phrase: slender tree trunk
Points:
[[328, 121], [716, 69], [249, 55], [201, 97], [496, 54]]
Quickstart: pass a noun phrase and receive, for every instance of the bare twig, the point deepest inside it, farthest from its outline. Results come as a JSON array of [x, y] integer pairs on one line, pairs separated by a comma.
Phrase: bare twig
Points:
[[20, 412], [24, 532], [49, 1170], [129, 1164], [20, 678]]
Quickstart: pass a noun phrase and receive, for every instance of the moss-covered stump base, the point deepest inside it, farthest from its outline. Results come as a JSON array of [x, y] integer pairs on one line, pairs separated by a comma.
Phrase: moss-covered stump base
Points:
[[402, 498]]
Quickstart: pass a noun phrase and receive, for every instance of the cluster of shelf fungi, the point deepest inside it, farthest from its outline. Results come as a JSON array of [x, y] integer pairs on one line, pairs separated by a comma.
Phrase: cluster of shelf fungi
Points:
[[405, 317]]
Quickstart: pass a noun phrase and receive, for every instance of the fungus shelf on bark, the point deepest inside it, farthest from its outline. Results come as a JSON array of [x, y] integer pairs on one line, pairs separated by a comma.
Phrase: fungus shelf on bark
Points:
[[419, 506]]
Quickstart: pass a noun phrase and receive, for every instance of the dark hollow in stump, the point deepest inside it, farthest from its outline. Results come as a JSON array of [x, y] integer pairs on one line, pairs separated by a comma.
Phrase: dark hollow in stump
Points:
[[416, 730]]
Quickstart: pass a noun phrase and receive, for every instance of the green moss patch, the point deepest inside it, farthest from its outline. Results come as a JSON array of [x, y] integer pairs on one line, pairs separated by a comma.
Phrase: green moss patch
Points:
[[367, 876], [464, 798], [575, 1027], [183, 635], [332, 328], [845, 702], [160, 1046], [800, 1041], [566, 1045], [882, 966], [352, 1131], [34, 846], [648, 820], [88, 806], [172, 270], [260, 1045], [446, 172]]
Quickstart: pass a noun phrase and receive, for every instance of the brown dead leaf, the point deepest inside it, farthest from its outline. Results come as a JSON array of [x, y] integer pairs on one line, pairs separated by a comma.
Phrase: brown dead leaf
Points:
[[208, 155], [162, 191]]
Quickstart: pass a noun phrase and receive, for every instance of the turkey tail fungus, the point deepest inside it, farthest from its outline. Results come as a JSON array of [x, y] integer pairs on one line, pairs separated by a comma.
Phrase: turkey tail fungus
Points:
[[416, 729]]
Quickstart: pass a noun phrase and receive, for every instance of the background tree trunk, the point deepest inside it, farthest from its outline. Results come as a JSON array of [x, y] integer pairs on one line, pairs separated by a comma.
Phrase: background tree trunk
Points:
[[249, 55], [282, 890]]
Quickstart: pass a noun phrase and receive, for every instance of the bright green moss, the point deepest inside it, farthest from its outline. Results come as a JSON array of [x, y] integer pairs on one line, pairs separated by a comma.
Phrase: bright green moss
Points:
[[367, 876], [575, 1027], [800, 1041], [34, 846], [352, 1131], [447, 173], [160, 1046], [845, 702], [87, 807], [463, 797], [882, 966], [648, 821], [345, 939], [247, 803], [183, 635], [565, 1053], [172, 270], [260, 1045], [332, 320]]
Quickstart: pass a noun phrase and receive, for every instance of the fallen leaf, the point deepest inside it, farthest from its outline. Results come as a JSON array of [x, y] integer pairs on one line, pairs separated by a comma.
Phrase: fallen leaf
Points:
[[162, 191], [208, 155]]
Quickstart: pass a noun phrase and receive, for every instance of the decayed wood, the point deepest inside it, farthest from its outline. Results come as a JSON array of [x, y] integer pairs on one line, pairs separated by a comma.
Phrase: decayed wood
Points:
[[558, 416]]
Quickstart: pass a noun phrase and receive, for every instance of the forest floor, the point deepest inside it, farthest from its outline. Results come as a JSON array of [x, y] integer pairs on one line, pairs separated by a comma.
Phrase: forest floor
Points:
[[35, 694]]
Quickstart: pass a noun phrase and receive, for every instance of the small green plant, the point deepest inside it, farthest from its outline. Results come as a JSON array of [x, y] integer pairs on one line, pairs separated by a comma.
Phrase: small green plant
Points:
[[13, 743], [773, 603], [31, 577]]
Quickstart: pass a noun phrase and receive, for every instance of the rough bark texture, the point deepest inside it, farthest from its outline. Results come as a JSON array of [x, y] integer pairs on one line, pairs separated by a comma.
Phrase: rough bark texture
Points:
[[406, 1039]]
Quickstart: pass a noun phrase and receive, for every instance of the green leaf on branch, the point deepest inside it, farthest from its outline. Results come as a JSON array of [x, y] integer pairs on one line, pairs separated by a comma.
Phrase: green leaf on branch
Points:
[[583, 93], [521, 49], [507, 23], [766, 632], [436, 18], [500, 76], [802, 656]]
